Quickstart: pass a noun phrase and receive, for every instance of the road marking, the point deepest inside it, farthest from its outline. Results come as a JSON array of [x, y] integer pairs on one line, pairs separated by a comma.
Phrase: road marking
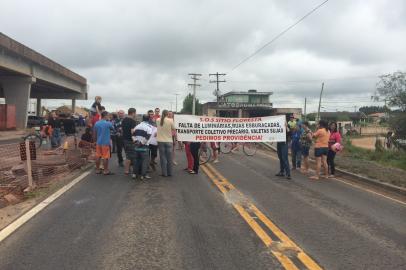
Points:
[[290, 255], [7, 231], [343, 180]]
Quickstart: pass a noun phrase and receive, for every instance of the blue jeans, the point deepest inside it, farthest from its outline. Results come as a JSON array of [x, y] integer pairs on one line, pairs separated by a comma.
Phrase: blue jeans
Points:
[[282, 149], [141, 161], [296, 158], [165, 157], [56, 138]]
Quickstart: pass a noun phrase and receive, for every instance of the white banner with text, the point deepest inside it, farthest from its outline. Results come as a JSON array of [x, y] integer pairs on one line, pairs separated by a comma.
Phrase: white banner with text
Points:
[[191, 128]]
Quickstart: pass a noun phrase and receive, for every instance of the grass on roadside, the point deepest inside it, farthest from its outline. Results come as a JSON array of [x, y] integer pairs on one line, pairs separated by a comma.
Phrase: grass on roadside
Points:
[[391, 158]]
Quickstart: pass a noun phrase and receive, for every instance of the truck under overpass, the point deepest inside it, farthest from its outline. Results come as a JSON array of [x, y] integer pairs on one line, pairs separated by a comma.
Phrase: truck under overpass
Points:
[[25, 74]]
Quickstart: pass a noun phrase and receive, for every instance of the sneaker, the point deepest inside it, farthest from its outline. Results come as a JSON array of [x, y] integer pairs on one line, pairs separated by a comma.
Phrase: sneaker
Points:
[[279, 174], [175, 163], [288, 177], [147, 177], [134, 176], [216, 161]]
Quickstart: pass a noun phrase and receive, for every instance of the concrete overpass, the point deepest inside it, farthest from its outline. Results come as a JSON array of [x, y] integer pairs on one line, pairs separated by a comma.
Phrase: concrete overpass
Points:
[[25, 74]]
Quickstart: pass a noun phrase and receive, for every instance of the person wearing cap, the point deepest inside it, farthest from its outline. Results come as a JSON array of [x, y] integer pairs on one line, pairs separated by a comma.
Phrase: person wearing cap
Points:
[[102, 137], [292, 122]]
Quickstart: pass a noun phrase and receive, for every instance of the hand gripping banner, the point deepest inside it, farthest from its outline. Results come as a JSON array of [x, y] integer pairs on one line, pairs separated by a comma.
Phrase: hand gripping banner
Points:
[[191, 128]]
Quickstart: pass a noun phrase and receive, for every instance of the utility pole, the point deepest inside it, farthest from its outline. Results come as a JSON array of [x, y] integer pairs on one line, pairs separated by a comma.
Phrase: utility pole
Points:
[[321, 93], [176, 102], [195, 79], [305, 109], [217, 91]]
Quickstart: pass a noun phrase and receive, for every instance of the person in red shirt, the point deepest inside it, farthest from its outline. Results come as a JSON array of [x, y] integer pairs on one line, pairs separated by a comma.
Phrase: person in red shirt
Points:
[[335, 137], [156, 115], [96, 117]]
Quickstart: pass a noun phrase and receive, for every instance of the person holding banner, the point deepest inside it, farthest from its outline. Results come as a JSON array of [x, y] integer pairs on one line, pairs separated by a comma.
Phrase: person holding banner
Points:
[[164, 137], [215, 147], [189, 157], [194, 150], [282, 150]]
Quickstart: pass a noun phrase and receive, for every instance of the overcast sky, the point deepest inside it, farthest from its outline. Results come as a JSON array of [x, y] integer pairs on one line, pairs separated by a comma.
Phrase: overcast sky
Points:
[[138, 53]]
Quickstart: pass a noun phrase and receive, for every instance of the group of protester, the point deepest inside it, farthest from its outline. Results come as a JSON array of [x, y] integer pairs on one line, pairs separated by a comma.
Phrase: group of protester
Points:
[[155, 133], [54, 125], [140, 140], [300, 138]]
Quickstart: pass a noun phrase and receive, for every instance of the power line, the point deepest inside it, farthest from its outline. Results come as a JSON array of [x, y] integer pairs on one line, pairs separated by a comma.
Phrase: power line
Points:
[[310, 80], [279, 35]]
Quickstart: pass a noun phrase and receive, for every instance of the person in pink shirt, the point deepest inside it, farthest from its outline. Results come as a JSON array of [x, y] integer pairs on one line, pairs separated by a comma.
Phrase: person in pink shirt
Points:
[[335, 137]]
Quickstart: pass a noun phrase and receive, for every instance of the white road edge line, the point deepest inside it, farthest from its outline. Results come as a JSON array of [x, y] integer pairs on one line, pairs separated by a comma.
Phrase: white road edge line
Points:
[[7, 231], [344, 181]]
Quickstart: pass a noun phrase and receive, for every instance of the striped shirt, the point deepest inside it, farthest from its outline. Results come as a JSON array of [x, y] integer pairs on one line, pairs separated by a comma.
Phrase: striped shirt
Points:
[[141, 134]]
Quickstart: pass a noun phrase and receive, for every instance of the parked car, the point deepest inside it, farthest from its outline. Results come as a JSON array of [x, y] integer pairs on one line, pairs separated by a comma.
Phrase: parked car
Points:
[[35, 121]]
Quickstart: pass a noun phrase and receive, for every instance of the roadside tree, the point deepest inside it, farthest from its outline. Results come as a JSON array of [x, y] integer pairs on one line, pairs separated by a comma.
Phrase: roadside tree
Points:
[[392, 89], [188, 104]]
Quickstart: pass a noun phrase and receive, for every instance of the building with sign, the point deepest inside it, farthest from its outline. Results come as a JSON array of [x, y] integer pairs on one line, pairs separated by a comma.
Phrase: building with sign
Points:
[[246, 104]]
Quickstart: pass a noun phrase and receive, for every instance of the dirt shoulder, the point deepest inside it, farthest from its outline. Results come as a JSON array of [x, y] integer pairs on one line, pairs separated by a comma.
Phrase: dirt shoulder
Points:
[[372, 170], [11, 212]]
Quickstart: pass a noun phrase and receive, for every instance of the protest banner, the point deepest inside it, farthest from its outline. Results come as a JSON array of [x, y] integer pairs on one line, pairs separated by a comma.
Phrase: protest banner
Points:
[[191, 128]]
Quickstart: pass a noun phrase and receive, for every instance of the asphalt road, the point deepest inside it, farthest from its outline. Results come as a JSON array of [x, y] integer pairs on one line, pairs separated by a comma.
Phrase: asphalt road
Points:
[[184, 222]]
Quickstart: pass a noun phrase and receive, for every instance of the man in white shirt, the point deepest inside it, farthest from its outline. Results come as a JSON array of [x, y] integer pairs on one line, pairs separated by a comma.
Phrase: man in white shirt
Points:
[[141, 137]]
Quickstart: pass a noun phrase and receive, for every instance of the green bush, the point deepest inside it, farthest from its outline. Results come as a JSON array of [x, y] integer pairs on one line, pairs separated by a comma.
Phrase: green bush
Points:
[[391, 158]]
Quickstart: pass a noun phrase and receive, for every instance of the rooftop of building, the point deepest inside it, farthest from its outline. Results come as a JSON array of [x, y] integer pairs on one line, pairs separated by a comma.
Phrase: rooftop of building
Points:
[[252, 92]]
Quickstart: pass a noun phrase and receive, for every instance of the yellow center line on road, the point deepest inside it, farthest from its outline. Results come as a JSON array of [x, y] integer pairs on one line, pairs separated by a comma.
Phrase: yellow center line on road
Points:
[[243, 206]]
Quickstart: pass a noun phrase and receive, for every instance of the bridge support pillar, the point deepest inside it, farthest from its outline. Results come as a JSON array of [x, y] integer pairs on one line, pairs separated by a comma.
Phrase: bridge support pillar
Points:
[[39, 107], [17, 91], [73, 105]]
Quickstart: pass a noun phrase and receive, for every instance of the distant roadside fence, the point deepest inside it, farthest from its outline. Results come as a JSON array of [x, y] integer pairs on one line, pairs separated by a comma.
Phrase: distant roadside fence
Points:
[[24, 168], [371, 130]]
